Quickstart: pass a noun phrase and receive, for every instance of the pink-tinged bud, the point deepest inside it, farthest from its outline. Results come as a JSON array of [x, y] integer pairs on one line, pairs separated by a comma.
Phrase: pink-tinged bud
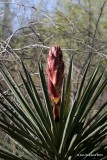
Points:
[[55, 75], [55, 68]]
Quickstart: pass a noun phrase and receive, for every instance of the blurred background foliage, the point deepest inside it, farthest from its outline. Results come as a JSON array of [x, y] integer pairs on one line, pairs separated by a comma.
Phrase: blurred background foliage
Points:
[[29, 28]]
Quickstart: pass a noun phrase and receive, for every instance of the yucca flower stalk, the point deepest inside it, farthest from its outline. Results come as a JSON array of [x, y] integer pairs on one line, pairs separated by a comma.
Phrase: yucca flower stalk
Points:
[[55, 78]]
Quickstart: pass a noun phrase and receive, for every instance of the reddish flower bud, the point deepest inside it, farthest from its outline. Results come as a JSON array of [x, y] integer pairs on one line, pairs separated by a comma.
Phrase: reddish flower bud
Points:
[[55, 76], [55, 68]]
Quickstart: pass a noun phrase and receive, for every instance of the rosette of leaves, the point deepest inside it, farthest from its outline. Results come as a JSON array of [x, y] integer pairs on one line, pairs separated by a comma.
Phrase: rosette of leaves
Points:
[[33, 129]]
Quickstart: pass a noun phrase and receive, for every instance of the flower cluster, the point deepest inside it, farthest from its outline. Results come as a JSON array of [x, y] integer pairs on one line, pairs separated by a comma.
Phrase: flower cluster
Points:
[[55, 78]]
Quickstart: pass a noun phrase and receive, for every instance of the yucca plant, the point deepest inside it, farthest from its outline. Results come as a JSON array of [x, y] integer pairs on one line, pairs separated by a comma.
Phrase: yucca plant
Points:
[[54, 129]]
